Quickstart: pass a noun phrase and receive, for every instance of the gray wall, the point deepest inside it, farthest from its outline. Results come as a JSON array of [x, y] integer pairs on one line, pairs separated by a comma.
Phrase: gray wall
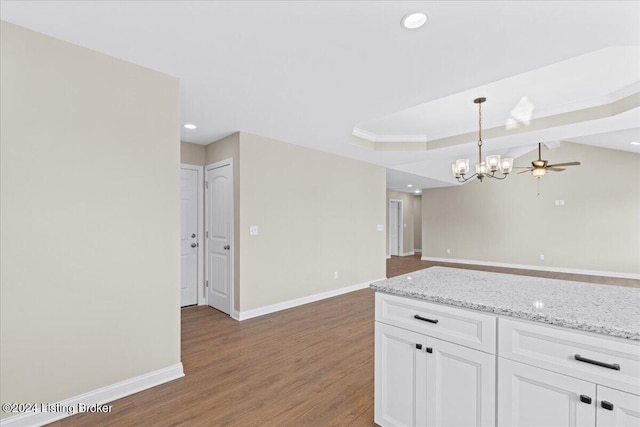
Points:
[[597, 229], [317, 214], [192, 154], [90, 183]]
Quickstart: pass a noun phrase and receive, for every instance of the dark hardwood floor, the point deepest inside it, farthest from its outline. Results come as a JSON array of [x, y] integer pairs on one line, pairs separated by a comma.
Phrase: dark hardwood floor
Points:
[[406, 264], [307, 366]]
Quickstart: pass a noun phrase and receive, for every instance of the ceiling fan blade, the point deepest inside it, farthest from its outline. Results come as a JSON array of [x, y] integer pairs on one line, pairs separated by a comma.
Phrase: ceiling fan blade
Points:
[[564, 164], [555, 169], [528, 170], [522, 167]]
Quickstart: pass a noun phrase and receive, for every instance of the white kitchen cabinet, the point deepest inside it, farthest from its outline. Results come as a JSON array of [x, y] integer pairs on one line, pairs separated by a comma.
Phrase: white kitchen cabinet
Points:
[[460, 385], [424, 381], [534, 397], [617, 409], [438, 365], [400, 377]]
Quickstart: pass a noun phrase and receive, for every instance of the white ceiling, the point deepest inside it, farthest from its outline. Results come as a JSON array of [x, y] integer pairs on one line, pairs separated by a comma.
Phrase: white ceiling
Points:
[[308, 73]]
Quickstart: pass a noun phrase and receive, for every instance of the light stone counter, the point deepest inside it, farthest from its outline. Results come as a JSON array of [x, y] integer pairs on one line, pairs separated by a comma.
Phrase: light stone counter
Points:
[[603, 309]]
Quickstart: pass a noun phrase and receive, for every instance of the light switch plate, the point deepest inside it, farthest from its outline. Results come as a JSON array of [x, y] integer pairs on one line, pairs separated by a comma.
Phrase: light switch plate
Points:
[[379, 227], [253, 230]]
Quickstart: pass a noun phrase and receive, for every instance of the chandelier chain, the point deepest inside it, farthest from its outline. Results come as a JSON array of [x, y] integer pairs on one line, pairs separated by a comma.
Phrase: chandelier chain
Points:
[[479, 132]]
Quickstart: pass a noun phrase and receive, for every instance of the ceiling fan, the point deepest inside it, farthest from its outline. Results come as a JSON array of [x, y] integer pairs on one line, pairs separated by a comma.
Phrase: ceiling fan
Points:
[[540, 167]]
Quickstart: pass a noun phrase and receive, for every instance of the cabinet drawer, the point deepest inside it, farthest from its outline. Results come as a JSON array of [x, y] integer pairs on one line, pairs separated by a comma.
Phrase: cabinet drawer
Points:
[[606, 361], [471, 329]]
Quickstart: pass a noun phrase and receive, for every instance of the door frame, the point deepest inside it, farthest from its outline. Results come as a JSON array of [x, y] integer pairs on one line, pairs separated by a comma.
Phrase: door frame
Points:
[[400, 227], [200, 240], [207, 168]]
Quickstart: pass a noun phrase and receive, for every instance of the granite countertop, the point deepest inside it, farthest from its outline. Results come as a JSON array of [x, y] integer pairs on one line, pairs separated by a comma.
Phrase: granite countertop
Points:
[[603, 309]]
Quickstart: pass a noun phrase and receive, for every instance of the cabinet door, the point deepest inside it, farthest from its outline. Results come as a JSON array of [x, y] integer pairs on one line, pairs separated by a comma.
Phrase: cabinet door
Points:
[[461, 385], [617, 408], [400, 377], [534, 397]]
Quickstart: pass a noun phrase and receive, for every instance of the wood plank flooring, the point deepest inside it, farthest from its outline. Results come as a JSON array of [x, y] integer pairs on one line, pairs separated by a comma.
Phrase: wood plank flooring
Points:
[[307, 366], [406, 264]]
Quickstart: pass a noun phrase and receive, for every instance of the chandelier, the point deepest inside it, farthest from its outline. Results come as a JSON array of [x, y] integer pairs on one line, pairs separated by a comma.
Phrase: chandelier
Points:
[[486, 169]]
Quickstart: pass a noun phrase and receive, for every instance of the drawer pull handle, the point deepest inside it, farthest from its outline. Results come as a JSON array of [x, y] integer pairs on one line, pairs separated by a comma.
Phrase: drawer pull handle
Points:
[[417, 316], [607, 405], [613, 366], [585, 399]]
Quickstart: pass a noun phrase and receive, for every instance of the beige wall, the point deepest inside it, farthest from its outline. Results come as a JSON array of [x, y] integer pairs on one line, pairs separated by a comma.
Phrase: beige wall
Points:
[[223, 149], [407, 219], [597, 229], [89, 149], [192, 154], [317, 214], [417, 222]]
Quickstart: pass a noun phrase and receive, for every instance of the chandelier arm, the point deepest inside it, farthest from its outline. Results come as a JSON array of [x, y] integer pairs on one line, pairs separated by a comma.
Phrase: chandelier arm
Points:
[[497, 177], [463, 180]]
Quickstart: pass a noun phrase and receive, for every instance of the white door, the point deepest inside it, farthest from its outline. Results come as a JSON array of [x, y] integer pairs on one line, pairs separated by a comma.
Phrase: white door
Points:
[[219, 192], [189, 236], [461, 385], [617, 408], [394, 228], [400, 377], [535, 397]]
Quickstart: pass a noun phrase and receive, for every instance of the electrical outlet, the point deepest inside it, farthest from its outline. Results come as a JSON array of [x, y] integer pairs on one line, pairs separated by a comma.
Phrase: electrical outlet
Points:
[[561, 202], [449, 251], [253, 230], [335, 274], [380, 227], [541, 257]]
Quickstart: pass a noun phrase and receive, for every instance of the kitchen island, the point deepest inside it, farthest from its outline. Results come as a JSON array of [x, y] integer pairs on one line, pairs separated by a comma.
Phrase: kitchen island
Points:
[[464, 347]]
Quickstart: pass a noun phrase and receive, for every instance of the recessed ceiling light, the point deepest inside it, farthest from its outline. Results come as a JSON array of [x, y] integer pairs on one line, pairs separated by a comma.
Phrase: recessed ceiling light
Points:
[[415, 20], [190, 126], [409, 185], [417, 191], [635, 143]]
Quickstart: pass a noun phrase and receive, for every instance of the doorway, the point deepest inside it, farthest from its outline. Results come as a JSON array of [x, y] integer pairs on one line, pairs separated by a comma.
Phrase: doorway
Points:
[[190, 233], [395, 227], [219, 235]]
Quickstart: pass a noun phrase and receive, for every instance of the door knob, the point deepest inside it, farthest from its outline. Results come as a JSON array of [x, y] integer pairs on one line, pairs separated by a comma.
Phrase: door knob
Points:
[[193, 235], [193, 245], [227, 247]]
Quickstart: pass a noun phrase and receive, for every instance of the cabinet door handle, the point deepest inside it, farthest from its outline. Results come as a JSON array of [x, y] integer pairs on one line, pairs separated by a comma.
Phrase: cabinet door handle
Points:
[[613, 366], [419, 346], [607, 405], [424, 319], [429, 350], [585, 399]]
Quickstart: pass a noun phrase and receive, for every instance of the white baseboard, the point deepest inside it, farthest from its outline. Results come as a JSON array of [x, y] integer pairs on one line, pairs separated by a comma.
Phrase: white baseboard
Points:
[[418, 251], [99, 396], [261, 311], [388, 256], [407, 253], [536, 267]]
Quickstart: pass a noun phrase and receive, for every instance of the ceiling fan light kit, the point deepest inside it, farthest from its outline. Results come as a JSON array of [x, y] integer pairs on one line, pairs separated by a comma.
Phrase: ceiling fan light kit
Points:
[[492, 164], [540, 167]]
